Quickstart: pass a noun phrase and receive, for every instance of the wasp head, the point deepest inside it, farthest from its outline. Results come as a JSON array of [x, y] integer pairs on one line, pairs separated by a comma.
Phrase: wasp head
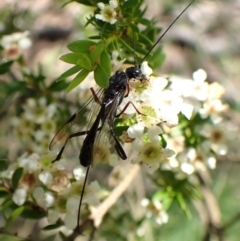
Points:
[[135, 73]]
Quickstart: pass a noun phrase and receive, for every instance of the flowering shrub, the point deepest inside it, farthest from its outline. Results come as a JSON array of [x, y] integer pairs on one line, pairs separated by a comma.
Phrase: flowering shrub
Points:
[[174, 130]]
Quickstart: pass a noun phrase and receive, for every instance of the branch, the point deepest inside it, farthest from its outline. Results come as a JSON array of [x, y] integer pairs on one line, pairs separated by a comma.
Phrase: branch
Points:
[[214, 226], [99, 212]]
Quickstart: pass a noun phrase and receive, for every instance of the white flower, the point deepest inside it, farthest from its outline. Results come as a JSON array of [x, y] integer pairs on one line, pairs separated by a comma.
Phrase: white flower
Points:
[[216, 135], [150, 114], [200, 75], [200, 89], [14, 44], [146, 70], [108, 13], [187, 168], [162, 218], [215, 91], [169, 106], [136, 130], [70, 220], [153, 133], [155, 209], [49, 199], [211, 162], [176, 143], [212, 107], [38, 193], [19, 196], [113, 3], [152, 155], [187, 110], [59, 165], [92, 193], [79, 173], [29, 163], [52, 216], [45, 177], [72, 204]]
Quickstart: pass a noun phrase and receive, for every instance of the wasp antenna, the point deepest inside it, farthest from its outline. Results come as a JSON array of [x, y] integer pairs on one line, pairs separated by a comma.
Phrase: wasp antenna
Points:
[[167, 30], [81, 198], [134, 48]]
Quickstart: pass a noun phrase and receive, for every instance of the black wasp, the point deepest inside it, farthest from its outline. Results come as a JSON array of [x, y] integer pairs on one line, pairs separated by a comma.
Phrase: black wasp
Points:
[[108, 100]]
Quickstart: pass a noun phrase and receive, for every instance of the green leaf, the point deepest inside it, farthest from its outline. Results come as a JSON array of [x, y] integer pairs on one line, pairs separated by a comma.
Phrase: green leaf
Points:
[[78, 79], [85, 62], [163, 140], [101, 77], [32, 213], [13, 87], [69, 72], [16, 213], [16, 177], [58, 85], [157, 58], [145, 40], [3, 165], [97, 52], [81, 46], [105, 62], [53, 226], [71, 58], [8, 204], [130, 4], [145, 21], [4, 68], [183, 205], [87, 2], [62, 235], [3, 192], [126, 46], [7, 237]]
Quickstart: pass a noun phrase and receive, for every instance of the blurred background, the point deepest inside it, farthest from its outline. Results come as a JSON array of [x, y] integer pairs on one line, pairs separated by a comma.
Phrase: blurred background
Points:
[[207, 36]]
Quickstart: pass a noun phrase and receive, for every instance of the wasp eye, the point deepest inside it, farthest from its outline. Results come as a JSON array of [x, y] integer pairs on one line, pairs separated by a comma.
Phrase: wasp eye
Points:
[[134, 72]]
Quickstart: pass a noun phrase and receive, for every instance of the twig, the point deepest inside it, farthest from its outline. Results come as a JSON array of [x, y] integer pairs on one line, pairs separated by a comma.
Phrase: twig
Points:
[[99, 212], [214, 226], [82, 227]]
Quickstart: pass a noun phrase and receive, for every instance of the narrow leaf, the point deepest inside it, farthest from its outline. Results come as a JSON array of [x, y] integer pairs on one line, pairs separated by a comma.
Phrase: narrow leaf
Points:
[[145, 40], [97, 52], [128, 47], [130, 4], [3, 165], [78, 79], [62, 235], [105, 62], [16, 213], [52, 226], [69, 72], [71, 58], [101, 77], [85, 62], [3, 192], [58, 86], [32, 213], [16, 177], [7, 237], [4, 68], [81, 46]]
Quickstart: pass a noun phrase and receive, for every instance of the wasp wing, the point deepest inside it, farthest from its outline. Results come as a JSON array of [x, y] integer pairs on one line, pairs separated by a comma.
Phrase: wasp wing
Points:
[[78, 123], [107, 147]]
